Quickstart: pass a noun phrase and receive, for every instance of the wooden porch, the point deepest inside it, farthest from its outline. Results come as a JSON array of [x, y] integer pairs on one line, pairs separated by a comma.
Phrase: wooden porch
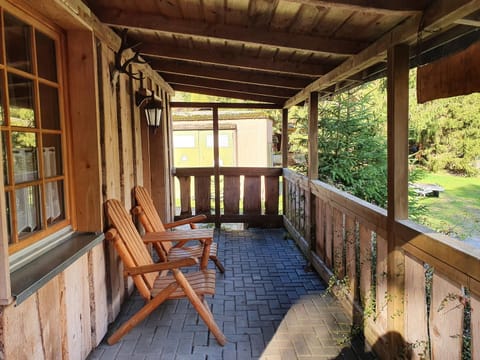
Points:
[[420, 288]]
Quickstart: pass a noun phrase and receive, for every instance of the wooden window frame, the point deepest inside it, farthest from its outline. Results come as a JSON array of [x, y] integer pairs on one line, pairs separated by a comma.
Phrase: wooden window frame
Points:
[[58, 37]]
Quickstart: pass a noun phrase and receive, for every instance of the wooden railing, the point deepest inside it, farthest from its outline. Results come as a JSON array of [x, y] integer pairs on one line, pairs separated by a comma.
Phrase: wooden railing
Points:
[[345, 240], [232, 195]]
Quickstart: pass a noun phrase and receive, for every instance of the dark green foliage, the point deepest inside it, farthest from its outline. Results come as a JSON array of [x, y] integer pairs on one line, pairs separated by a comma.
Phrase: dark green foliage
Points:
[[351, 145], [448, 132], [352, 153]]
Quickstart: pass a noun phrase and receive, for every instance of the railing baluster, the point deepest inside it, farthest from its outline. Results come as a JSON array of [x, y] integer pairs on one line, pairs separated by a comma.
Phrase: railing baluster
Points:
[[252, 195], [338, 260], [381, 284], [271, 195], [320, 229], [446, 318], [231, 194], [475, 321], [350, 257], [202, 194], [185, 196], [416, 307], [328, 235], [365, 266]]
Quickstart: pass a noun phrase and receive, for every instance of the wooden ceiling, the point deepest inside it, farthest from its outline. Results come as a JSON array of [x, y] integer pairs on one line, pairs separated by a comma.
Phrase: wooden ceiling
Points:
[[277, 51]]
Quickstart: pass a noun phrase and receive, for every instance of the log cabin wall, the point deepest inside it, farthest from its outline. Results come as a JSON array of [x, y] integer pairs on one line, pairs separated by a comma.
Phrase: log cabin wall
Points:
[[109, 152]]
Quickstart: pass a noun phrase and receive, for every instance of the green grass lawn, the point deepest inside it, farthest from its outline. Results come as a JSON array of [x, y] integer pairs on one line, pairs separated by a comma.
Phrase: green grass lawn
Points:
[[456, 211]]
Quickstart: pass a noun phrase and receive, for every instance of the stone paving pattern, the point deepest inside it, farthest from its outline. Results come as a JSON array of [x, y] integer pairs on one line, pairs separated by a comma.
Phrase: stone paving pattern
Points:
[[268, 306]]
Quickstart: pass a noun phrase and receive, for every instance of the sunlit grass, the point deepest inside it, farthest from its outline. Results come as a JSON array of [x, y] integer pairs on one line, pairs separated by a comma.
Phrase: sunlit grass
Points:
[[456, 211]]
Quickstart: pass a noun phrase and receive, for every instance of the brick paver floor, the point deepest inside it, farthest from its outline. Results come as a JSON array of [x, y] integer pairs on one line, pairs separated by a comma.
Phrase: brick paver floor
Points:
[[268, 306]]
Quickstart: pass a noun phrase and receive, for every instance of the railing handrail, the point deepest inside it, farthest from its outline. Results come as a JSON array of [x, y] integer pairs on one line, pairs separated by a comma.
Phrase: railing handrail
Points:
[[458, 260], [362, 210], [228, 170]]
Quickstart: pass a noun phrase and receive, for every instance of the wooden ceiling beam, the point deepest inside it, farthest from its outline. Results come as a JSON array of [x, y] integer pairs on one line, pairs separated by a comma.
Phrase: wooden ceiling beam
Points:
[[228, 94], [235, 75], [229, 86], [468, 22], [231, 59], [239, 34], [381, 7], [440, 14], [222, 105]]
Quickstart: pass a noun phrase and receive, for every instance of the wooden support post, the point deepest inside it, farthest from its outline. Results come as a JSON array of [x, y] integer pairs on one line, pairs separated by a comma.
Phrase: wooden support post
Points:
[[160, 167], [397, 138], [284, 156], [312, 171], [168, 120], [216, 165], [85, 125], [285, 138], [313, 136]]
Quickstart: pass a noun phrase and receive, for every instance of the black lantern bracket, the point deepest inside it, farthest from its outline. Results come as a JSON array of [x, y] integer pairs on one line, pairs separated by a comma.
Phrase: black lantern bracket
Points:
[[143, 95]]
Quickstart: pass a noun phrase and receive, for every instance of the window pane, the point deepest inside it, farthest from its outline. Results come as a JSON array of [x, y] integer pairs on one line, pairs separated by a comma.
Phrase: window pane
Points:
[[9, 215], [54, 202], [18, 43], [20, 92], [28, 210], [46, 57], [49, 111], [25, 165], [4, 157], [184, 141], [52, 155]]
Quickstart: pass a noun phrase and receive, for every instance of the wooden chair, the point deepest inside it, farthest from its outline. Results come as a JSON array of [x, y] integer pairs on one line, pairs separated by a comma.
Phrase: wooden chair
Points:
[[152, 280], [152, 223]]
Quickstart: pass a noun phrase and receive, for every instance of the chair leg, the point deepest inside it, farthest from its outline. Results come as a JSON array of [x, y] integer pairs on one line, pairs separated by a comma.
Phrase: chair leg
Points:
[[199, 305], [142, 313], [218, 264]]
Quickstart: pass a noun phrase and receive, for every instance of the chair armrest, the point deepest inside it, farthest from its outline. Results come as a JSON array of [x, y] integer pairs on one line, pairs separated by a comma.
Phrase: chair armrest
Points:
[[204, 237], [112, 234], [186, 221], [136, 210], [169, 265]]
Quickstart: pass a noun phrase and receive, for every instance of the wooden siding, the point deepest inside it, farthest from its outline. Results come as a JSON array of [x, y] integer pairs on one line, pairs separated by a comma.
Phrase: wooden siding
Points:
[[57, 322], [70, 314]]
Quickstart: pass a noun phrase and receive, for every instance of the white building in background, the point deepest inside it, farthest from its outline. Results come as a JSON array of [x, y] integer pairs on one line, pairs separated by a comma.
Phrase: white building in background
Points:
[[241, 139]]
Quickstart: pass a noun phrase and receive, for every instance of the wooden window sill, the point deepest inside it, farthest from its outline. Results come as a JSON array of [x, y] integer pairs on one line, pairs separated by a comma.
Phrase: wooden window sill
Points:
[[26, 280]]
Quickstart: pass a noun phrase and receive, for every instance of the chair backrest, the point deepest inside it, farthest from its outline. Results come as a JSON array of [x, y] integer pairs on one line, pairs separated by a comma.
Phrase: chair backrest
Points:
[[144, 200], [131, 248], [146, 203]]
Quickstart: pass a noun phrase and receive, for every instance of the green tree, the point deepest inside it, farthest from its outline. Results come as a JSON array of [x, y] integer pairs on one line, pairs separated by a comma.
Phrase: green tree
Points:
[[448, 133], [352, 148]]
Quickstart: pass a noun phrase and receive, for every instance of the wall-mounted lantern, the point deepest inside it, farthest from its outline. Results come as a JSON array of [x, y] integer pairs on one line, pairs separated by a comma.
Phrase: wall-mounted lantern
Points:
[[152, 106]]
